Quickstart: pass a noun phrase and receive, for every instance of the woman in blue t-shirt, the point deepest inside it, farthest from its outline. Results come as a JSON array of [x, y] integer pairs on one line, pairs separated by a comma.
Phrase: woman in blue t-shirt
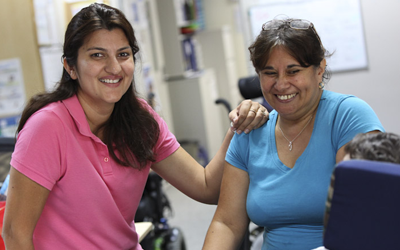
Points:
[[278, 176]]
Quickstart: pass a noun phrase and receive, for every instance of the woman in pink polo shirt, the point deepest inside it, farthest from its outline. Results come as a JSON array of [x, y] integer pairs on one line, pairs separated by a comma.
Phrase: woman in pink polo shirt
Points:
[[84, 151]]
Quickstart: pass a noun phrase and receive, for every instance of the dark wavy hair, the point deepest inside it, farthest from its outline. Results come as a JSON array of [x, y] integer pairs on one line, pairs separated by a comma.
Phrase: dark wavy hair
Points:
[[131, 129], [375, 147], [302, 44]]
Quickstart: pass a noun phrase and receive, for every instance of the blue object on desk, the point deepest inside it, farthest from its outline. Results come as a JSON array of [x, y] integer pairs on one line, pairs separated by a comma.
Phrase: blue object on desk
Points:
[[4, 187]]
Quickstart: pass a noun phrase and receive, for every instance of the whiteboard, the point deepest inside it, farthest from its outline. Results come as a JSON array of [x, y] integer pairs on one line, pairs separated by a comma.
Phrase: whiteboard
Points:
[[338, 23]]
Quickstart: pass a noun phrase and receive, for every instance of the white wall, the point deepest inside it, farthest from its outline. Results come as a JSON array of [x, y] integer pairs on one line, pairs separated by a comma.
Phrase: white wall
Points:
[[219, 13], [379, 85]]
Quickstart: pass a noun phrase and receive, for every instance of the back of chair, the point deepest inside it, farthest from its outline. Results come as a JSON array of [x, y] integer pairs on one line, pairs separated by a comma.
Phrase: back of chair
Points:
[[7, 144], [249, 87], [365, 210]]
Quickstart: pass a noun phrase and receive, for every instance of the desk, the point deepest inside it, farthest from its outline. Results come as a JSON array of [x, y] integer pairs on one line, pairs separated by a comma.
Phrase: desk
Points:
[[143, 228]]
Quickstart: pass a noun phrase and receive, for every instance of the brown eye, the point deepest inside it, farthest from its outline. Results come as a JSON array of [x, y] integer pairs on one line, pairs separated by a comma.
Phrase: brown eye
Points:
[[124, 54], [96, 55], [269, 73], [292, 72]]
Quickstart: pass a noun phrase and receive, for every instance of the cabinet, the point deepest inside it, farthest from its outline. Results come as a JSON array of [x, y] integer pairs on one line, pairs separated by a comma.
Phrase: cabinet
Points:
[[195, 115], [219, 54]]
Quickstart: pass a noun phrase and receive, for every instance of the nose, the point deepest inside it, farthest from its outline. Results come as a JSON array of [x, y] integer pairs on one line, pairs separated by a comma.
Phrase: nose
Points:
[[281, 83], [113, 66]]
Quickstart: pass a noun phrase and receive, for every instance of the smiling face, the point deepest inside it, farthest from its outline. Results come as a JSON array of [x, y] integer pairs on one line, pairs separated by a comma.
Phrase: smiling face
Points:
[[292, 90], [104, 69]]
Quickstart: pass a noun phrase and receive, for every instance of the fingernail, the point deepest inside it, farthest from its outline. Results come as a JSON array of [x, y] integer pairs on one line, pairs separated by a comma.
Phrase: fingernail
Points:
[[233, 129], [246, 131], [238, 132]]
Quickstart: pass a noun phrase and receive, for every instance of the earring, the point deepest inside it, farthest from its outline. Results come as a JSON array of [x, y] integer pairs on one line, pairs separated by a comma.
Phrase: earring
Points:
[[321, 85]]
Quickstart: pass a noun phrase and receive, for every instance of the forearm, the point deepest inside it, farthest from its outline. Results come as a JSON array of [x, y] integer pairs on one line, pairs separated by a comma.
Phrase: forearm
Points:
[[220, 236], [230, 221], [25, 202], [18, 242], [214, 170]]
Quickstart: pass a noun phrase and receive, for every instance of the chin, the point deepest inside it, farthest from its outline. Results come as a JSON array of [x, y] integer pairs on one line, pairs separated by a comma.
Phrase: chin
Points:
[[113, 100]]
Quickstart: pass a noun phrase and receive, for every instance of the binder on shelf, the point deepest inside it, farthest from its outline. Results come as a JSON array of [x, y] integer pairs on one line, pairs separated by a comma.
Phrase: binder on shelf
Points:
[[180, 48], [190, 15], [189, 54]]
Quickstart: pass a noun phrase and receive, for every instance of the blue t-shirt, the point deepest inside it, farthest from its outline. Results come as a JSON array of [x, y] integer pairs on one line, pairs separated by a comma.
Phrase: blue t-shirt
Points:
[[289, 203]]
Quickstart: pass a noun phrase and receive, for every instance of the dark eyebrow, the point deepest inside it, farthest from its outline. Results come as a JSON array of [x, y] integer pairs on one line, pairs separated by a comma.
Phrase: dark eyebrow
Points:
[[267, 67], [95, 48], [124, 48], [103, 49], [288, 67]]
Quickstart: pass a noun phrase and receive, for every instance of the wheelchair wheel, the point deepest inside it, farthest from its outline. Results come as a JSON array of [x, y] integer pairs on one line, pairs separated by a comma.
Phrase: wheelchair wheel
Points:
[[256, 238], [175, 240]]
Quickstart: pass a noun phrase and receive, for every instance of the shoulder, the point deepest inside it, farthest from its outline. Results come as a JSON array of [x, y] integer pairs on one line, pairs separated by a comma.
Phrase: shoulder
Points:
[[349, 116], [145, 105], [334, 98], [340, 103], [47, 122], [50, 115]]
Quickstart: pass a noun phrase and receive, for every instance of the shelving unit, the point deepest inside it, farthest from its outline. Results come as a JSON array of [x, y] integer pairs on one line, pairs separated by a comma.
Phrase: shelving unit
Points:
[[178, 35], [192, 88]]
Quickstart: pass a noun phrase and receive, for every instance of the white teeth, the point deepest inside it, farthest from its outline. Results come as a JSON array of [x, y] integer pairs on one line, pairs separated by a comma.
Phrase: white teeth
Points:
[[109, 80], [285, 97]]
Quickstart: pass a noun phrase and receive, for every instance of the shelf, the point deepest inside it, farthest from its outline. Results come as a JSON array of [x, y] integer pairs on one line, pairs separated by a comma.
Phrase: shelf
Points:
[[181, 52]]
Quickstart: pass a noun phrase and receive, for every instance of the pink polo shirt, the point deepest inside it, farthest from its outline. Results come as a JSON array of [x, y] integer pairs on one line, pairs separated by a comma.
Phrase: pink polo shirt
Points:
[[93, 200]]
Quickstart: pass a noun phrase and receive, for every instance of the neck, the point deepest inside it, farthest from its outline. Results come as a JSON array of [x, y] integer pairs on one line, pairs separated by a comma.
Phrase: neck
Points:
[[95, 115], [291, 140], [292, 127]]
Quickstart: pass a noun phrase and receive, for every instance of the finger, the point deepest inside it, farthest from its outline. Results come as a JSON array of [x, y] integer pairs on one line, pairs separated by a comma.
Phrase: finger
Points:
[[234, 115], [260, 118], [264, 117], [244, 105], [246, 117]]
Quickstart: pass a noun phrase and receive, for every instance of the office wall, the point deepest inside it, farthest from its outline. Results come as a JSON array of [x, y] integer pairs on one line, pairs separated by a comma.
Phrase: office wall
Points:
[[379, 85], [228, 13], [18, 40]]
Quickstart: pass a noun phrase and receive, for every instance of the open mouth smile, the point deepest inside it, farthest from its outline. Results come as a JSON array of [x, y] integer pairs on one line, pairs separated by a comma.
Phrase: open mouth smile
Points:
[[286, 97], [110, 81]]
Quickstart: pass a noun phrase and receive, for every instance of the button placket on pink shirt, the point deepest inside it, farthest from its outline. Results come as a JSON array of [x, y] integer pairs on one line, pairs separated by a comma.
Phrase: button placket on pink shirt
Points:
[[105, 160]]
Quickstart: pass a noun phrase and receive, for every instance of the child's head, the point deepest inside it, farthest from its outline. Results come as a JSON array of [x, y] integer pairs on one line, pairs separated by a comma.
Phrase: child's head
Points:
[[375, 147]]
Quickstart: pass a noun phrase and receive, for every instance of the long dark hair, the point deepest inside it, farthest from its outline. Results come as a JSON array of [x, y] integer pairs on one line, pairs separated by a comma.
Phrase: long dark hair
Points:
[[131, 129]]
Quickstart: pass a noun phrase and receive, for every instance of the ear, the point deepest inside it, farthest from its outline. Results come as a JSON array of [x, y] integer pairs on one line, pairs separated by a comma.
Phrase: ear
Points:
[[70, 70], [321, 69]]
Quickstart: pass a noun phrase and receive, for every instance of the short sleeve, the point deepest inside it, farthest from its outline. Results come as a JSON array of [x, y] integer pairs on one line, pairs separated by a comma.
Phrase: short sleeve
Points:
[[354, 116], [37, 152], [238, 154]]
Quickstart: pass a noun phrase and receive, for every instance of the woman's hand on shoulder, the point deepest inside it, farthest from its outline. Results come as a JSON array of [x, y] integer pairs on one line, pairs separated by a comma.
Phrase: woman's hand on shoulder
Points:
[[247, 116]]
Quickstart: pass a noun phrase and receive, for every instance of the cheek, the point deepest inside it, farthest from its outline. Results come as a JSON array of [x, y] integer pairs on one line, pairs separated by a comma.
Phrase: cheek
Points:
[[87, 69], [266, 83], [128, 68]]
